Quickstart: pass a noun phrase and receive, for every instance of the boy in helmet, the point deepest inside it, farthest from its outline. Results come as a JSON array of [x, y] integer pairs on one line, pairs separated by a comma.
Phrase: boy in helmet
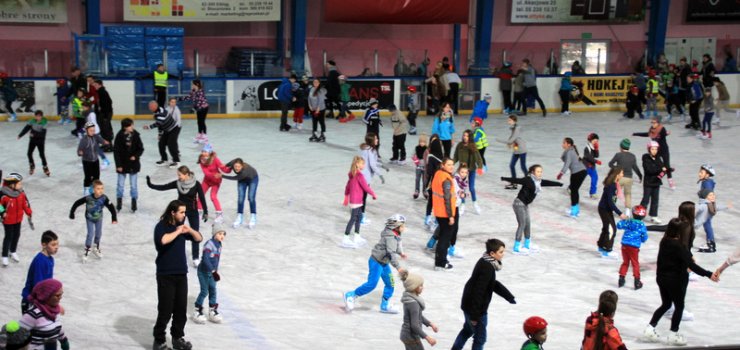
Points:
[[634, 103], [635, 233], [88, 149], [414, 104], [388, 251], [15, 202], [535, 328]]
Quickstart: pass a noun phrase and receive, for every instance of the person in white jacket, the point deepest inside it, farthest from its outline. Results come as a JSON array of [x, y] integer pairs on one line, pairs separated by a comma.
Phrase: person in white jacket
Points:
[[731, 260]]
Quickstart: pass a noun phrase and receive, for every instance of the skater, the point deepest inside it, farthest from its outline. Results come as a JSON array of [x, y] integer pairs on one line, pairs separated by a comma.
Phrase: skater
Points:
[[400, 126], [674, 261], [532, 184], [317, 109], [413, 305], [42, 266], [160, 77], [655, 170], [706, 209], [8, 95], [659, 134], [565, 89], [723, 100], [635, 234], [200, 104], [299, 105], [333, 88], [104, 111], [590, 155], [386, 253], [94, 204], [37, 139], [535, 328], [414, 105], [42, 316], [481, 140], [89, 150], [706, 124], [170, 235], [519, 97], [461, 192], [695, 93], [433, 156], [673, 98], [91, 118], [651, 94], [345, 114], [420, 161], [15, 203], [285, 97], [210, 165], [572, 162], [706, 173], [127, 151], [608, 206], [628, 162], [62, 93], [444, 201], [518, 147], [530, 87], [600, 332], [355, 193], [247, 179], [480, 110], [467, 153], [505, 76], [444, 127], [189, 191], [166, 121], [369, 153], [77, 102], [372, 119], [477, 295], [208, 276], [634, 103]]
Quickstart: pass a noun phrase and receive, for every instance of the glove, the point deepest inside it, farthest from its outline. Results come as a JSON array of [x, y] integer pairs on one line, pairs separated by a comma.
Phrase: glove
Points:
[[30, 223], [205, 217], [479, 172], [596, 146], [216, 276], [598, 162], [662, 173], [382, 179], [65, 344], [560, 175], [72, 216]]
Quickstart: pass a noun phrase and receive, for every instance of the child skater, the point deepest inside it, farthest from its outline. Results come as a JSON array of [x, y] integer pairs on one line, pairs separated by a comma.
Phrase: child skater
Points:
[[467, 153], [635, 234], [480, 139], [565, 89], [445, 127], [386, 253], [15, 202], [706, 124], [62, 93], [372, 118], [420, 162], [414, 104], [608, 206], [317, 108], [651, 94], [400, 126], [127, 151], [88, 149], [413, 305], [628, 162], [659, 134], [208, 276], [480, 110], [91, 118], [590, 155], [246, 179], [706, 181], [42, 266], [210, 164], [299, 105], [94, 204], [600, 333], [518, 147], [535, 328], [77, 102], [634, 103], [572, 162], [532, 184], [354, 192], [652, 164], [369, 153], [706, 209], [37, 127], [200, 105]]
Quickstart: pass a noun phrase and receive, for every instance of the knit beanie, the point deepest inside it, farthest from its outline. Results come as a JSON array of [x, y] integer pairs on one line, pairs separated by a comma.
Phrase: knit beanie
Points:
[[218, 227], [625, 144], [704, 192], [412, 281], [14, 336], [208, 148]]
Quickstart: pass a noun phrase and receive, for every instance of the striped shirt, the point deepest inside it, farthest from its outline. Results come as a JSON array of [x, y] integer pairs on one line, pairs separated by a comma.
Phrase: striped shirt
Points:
[[43, 330], [163, 120]]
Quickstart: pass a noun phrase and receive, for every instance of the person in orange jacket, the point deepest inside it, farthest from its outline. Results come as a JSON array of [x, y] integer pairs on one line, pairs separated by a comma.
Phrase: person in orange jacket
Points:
[[600, 325], [444, 207]]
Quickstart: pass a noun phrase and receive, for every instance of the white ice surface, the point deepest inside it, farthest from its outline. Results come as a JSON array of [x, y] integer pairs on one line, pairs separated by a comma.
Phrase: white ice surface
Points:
[[282, 282]]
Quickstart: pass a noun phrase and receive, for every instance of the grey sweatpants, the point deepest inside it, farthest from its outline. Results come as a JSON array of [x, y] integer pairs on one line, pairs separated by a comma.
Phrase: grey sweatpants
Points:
[[413, 344], [521, 211]]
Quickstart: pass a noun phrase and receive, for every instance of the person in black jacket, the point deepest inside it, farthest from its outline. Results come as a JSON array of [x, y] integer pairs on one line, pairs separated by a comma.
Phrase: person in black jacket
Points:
[[168, 133], [76, 81], [478, 293], [531, 185], [37, 139], [652, 165], [104, 113], [127, 151], [188, 191], [332, 89]]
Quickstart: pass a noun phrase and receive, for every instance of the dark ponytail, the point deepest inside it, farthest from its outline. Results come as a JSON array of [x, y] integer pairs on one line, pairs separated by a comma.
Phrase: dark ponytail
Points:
[[607, 307]]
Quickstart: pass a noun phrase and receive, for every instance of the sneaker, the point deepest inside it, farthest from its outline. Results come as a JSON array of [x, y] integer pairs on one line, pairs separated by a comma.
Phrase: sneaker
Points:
[[347, 242], [252, 221], [161, 163], [196, 262], [98, 253], [674, 338], [476, 207], [649, 335], [358, 240], [239, 220], [14, 257], [387, 308], [447, 267], [160, 346], [174, 165], [5, 262], [198, 316], [349, 301], [213, 314], [181, 344]]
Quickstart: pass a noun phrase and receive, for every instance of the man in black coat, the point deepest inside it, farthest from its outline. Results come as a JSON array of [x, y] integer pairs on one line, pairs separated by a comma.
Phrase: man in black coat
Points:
[[127, 151], [332, 88], [105, 115], [478, 293]]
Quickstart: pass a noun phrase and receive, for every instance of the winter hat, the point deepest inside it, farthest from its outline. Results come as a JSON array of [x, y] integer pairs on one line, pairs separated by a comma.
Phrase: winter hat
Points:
[[412, 281], [372, 101], [14, 336], [704, 192], [592, 136], [207, 148], [41, 294], [487, 96], [625, 144], [217, 227]]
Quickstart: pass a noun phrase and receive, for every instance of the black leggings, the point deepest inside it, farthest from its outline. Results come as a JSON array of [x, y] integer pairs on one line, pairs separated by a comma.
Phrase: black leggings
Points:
[[92, 172], [429, 202], [455, 228], [319, 119], [651, 194], [447, 146], [445, 235], [506, 96], [194, 222], [565, 100], [32, 145], [576, 180], [672, 291], [482, 152], [606, 239], [201, 114], [10, 241]]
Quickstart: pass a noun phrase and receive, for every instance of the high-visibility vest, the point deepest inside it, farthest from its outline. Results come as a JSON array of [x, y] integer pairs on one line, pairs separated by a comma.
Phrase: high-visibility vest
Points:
[[483, 140], [160, 79], [653, 84], [438, 200]]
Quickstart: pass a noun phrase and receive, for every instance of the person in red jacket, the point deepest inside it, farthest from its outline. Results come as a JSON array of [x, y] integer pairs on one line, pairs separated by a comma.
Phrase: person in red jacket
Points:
[[210, 164], [600, 332], [15, 203]]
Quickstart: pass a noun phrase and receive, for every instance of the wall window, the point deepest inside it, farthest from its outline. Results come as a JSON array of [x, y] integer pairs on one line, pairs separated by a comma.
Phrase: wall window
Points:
[[592, 54]]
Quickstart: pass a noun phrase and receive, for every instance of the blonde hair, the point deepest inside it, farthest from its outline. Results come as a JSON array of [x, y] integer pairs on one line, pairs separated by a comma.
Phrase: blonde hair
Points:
[[423, 138], [355, 168]]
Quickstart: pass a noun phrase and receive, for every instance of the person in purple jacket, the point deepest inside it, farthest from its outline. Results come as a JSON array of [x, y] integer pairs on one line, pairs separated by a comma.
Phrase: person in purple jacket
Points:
[[42, 266]]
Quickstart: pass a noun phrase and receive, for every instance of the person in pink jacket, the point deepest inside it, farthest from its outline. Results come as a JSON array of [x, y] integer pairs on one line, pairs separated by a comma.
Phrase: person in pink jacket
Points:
[[731, 260], [210, 164], [355, 190]]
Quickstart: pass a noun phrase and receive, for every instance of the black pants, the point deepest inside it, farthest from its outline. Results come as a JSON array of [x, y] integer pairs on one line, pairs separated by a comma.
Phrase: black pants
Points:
[[452, 95], [694, 113], [672, 291], [160, 95], [319, 119], [412, 118], [32, 145], [632, 108], [506, 95], [10, 241], [172, 295], [201, 114], [445, 235], [651, 194], [194, 221], [168, 141], [447, 145], [355, 219], [364, 201], [106, 129], [576, 180], [565, 100], [519, 100], [666, 155], [91, 171], [482, 151], [608, 230], [455, 228], [429, 201], [284, 109], [399, 147], [79, 126], [332, 102], [532, 91]]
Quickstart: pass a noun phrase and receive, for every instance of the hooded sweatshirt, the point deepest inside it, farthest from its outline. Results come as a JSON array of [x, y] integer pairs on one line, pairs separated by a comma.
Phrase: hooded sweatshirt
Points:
[[388, 249], [413, 319], [15, 204], [370, 156]]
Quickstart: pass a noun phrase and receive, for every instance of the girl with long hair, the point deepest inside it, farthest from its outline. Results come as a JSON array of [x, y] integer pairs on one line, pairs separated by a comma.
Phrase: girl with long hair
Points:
[[467, 153], [210, 164], [369, 153], [518, 149], [200, 105], [600, 333], [572, 162], [607, 208], [444, 126], [317, 108], [354, 193]]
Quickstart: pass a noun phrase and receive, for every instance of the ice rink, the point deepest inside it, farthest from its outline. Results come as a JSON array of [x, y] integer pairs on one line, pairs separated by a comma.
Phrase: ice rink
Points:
[[282, 283]]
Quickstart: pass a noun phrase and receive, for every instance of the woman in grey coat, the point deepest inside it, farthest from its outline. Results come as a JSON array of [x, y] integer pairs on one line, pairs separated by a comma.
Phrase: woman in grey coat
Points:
[[317, 108], [572, 162]]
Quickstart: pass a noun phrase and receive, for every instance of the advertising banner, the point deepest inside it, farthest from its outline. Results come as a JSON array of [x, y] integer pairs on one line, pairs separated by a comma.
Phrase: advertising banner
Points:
[[27, 11], [569, 11], [713, 10], [601, 91], [201, 11], [397, 12]]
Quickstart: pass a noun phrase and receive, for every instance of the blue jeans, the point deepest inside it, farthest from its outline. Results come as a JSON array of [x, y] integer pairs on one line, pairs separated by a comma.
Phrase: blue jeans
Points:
[[207, 287], [709, 230], [133, 182], [242, 189], [706, 124], [594, 180], [478, 332], [376, 272], [522, 162], [94, 228], [471, 185]]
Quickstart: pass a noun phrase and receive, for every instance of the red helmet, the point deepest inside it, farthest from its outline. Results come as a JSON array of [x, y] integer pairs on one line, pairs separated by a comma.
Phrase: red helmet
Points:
[[639, 210], [412, 88], [651, 73], [61, 81], [478, 120], [533, 325], [634, 89]]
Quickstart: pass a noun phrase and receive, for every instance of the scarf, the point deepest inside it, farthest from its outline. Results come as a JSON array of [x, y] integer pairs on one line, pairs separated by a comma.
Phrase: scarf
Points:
[[41, 294], [496, 264], [184, 186], [537, 183], [409, 297], [7, 191], [654, 132]]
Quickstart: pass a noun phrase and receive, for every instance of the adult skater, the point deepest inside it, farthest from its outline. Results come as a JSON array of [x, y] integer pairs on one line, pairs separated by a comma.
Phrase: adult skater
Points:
[[168, 133], [628, 162], [659, 134], [572, 162], [444, 205], [170, 235], [160, 76], [104, 112], [530, 87], [433, 157]]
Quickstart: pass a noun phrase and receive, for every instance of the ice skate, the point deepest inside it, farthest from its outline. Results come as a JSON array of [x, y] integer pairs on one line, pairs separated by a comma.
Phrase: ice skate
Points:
[[709, 248], [313, 138], [181, 344], [358, 240], [239, 220], [213, 314], [174, 165], [447, 267], [197, 140], [511, 187], [412, 130], [518, 250], [416, 194], [476, 207], [12, 118], [161, 163], [133, 205], [461, 209], [198, 316], [609, 255], [347, 242], [219, 217], [593, 196], [349, 301], [649, 335], [675, 338], [5, 262], [85, 255], [196, 262], [387, 308], [47, 172], [454, 252], [31, 169], [638, 284], [655, 220], [14, 257], [98, 254], [621, 282], [322, 138], [119, 204], [160, 346], [105, 164], [252, 221], [672, 184]]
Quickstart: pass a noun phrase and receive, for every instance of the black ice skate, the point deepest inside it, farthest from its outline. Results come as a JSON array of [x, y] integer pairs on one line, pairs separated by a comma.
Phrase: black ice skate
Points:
[[322, 138], [710, 248], [313, 138], [119, 204], [620, 284], [638, 284], [133, 205]]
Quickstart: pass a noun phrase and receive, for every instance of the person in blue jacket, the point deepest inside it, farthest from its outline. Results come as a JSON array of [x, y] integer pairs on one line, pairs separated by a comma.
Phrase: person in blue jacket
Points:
[[695, 95], [285, 96], [635, 234], [565, 88], [42, 266], [481, 108], [444, 127]]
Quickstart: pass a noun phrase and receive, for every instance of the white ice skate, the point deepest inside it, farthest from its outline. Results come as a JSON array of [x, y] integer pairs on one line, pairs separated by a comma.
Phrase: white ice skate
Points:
[[5, 262], [461, 209], [649, 335], [349, 301], [85, 255], [196, 262], [359, 241], [98, 253], [609, 255], [252, 221], [685, 316], [675, 338], [239, 220], [14, 257], [476, 207], [198, 316], [693, 277], [214, 316], [387, 308], [347, 242], [655, 220], [219, 217]]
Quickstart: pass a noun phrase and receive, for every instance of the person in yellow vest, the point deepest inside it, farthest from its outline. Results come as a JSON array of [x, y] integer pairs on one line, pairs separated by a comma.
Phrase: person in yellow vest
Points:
[[653, 89], [160, 76], [444, 207], [481, 139]]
